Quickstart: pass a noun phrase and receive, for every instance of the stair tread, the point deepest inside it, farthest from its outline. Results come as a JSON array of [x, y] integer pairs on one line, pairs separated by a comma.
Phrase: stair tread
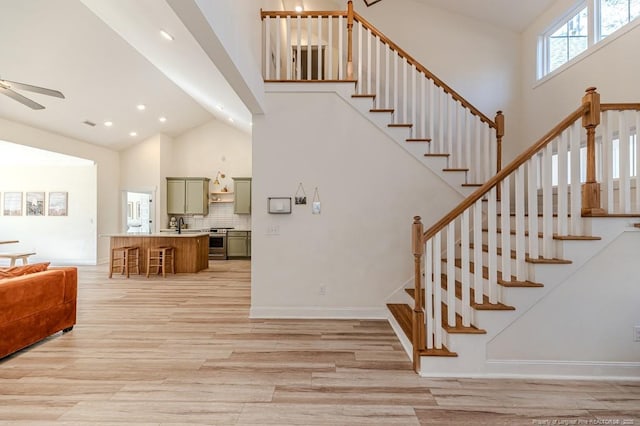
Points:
[[437, 155], [418, 140], [438, 352], [363, 96], [473, 184], [455, 170], [555, 236], [485, 248], [637, 225], [403, 315], [485, 305], [400, 125], [458, 328], [512, 283], [381, 110], [605, 215]]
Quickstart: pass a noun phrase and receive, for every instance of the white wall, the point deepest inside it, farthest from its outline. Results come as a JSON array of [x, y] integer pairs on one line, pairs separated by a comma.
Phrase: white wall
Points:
[[358, 248], [478, 60], [108, 172], [589, 317], [61, 240], [613, 69]]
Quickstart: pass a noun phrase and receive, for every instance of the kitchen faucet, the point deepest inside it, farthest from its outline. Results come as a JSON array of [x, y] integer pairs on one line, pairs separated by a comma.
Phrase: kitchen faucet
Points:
[[180, 224]]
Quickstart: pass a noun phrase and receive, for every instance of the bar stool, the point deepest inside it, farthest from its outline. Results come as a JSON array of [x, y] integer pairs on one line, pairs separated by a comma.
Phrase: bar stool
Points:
[[124, 259], [161, 258]]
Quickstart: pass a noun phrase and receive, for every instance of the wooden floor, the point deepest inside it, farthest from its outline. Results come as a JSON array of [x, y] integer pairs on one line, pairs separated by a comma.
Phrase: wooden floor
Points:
[[183, 351]]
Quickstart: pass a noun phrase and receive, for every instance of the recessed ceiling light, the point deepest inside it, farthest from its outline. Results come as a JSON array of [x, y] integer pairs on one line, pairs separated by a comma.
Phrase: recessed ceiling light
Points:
[[162, 119], [231, 119], [108, 123], [298, 9], [133, 134], [166, 35], [141, 107], [220, 107]]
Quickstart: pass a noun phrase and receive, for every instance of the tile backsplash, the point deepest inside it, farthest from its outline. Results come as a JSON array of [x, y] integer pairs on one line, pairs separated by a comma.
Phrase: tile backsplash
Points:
[[221, 216]]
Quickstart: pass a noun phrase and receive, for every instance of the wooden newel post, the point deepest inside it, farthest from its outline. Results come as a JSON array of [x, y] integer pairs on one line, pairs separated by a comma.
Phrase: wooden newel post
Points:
[[350, 40], [591, 188], [418, 338], [499, 134]]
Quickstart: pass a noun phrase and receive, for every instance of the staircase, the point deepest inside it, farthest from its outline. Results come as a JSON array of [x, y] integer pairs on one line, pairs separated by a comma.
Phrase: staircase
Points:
[[520, 233]]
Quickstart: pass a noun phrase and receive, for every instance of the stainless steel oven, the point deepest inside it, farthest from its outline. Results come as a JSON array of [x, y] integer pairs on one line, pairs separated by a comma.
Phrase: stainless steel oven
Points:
[[218, 243]]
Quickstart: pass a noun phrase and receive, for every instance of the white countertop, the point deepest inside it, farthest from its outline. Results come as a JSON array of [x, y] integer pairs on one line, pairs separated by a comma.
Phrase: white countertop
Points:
[[173, 234]]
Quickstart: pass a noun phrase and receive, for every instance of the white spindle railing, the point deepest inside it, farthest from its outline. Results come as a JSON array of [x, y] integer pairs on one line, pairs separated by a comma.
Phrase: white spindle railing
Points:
[[310, 46], [487, 241], [619, 160]]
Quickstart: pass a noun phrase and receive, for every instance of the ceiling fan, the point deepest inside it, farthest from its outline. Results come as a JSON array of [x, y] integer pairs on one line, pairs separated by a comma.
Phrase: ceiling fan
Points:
[[6, 88]]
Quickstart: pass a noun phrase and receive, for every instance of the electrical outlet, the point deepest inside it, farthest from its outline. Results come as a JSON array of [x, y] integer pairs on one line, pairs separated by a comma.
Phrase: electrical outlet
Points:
[[636, 333], [322, 290]]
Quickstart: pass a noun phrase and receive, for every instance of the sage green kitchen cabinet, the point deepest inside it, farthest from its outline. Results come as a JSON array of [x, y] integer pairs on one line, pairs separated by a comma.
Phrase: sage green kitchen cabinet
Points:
[[238, 244], [188, 195], [242, 200]]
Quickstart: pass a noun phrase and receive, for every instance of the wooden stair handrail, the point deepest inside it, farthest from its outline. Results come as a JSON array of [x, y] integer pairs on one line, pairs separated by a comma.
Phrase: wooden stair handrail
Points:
[[455, 95], [507, 170], [619, 107]]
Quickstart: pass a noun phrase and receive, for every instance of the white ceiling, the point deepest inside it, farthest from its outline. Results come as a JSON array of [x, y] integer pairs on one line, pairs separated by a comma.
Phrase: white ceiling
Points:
[[105, 72]]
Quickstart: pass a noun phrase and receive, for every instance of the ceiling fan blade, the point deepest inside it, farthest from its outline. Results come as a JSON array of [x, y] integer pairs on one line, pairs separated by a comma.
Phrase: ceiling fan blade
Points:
[[35, 89], [18, 97]]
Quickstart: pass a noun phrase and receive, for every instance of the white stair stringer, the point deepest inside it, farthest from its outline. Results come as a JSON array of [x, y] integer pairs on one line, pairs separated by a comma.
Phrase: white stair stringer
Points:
[[380, 120], [472, 360]]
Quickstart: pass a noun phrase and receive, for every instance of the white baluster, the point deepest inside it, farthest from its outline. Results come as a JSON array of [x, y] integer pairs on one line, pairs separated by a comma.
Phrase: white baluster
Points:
[[547, 202], [330, 75], [458, 135], [360, 81], [369, 68], [396, 113], [437, 291], [637, 162], [477, 145], [423, 112], [563, 179], [478, 279], [451, 273], [429, 290], [450, 105], [299, 49], [441, 121], [486, 152], [576, 186], [309, 49], [404, 101], [267, 47], [387, 72], [468, 126], [505, 227], [378, 100], [341, 49], [492, 263], [414, 99], [432, 115], [320, 53], [521, 274], [606, 162], [532, 204], [464, 268], [279, 24], [289, 60], [623, 149]]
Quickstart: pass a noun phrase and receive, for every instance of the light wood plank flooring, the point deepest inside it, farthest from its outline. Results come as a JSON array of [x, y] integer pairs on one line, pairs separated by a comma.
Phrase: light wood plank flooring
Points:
[[182, 350]]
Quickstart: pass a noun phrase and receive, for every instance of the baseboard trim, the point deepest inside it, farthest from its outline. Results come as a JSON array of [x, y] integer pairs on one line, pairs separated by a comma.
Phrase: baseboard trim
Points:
[[317, 313], [551, 370]]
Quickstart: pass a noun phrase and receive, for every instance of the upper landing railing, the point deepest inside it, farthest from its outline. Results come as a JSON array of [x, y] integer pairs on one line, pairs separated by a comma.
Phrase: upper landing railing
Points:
[[343, 46]]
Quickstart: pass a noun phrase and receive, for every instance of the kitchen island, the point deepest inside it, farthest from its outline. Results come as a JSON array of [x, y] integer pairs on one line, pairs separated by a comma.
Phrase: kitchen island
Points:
[[191, 249]]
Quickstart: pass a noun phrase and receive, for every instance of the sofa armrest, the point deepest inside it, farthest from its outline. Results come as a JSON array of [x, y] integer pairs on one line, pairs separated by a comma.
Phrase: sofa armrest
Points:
[[70, 282]]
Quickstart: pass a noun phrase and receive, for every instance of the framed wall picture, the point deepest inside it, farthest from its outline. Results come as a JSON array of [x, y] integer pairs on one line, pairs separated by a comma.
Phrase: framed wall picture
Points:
[[279, 205], [12, 204], [58, 203], [35, 204]]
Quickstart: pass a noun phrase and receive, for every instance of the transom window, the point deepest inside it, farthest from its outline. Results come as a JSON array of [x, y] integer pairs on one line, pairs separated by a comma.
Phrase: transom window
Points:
[[590, 22]]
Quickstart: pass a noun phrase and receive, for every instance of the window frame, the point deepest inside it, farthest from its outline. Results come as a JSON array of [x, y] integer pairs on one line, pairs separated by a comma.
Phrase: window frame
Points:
[[594, 37]]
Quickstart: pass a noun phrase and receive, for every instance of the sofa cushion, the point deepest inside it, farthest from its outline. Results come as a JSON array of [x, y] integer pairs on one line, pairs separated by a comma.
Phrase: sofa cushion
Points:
[[29, 294], [16, 271]]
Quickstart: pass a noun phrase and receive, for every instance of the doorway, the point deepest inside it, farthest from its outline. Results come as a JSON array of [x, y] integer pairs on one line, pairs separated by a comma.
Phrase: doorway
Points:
[[138, 213]]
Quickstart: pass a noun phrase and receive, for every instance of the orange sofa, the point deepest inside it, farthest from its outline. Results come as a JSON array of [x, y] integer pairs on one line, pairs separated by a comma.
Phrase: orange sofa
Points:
[[35, 306]]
